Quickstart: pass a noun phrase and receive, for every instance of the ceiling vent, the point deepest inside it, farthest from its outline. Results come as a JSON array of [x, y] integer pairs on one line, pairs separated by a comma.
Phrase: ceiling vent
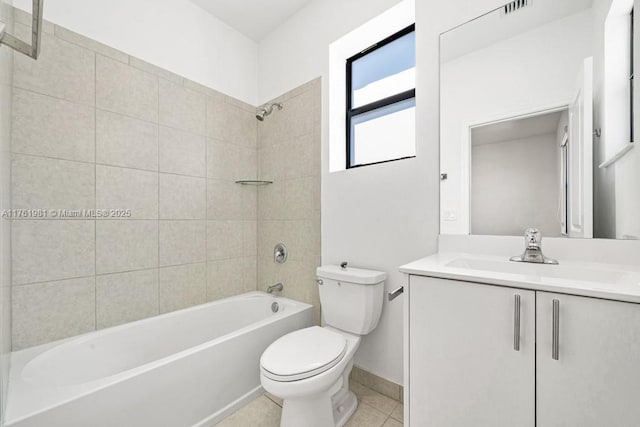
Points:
[[515, 6]]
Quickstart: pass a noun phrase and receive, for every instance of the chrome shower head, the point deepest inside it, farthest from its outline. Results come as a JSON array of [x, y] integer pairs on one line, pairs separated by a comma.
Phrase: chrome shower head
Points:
[[266, 110]]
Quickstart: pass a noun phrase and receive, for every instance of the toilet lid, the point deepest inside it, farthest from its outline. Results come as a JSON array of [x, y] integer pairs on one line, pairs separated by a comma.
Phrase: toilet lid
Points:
[[303, 354]]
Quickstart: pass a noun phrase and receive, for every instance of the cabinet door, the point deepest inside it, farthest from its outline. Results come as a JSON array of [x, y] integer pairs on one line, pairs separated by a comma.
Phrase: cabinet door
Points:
[[463, 368], [595, 380]]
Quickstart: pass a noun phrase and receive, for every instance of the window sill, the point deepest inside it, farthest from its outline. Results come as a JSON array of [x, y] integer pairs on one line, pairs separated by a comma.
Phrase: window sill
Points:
[[380, 162]]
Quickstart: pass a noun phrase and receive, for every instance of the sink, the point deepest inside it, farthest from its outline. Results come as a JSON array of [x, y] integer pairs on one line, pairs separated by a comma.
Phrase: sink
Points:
[[535, 272]]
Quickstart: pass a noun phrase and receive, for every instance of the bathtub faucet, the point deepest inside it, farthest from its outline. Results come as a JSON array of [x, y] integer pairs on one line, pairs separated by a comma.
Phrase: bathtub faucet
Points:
[[275, 288]]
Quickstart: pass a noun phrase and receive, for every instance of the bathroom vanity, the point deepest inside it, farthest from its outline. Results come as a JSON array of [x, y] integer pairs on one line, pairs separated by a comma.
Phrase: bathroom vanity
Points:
[[498, 343]]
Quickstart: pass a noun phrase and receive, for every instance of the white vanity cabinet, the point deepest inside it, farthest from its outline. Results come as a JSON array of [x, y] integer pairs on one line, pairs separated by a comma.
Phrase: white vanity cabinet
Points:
[[579, 366], [464, 368], [595, 380]]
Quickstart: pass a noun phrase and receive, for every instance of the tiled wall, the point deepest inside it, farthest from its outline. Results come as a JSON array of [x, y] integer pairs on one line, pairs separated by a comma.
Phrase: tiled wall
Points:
[[289, 209], [94, 128], [6, 76]]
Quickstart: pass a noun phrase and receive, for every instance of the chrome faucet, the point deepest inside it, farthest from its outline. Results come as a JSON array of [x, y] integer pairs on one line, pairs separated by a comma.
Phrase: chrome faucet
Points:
[[275, 288], [533, 249]]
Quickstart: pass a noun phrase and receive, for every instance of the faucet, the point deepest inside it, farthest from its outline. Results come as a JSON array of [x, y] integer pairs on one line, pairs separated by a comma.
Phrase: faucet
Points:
[[275, 288], [533, 249]]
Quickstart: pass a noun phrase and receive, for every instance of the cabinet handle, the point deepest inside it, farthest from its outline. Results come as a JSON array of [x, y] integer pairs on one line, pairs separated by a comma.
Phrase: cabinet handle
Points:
[[555, 333], [516, 323]]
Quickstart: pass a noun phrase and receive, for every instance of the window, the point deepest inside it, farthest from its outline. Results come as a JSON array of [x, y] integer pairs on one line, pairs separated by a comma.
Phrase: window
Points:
[[381, 101]]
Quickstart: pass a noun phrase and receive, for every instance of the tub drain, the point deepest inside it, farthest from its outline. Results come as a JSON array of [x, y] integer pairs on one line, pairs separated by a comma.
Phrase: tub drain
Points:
[[275, 307]]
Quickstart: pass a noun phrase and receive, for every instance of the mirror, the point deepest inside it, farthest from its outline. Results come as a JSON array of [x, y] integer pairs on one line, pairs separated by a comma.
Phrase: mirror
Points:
[[537, 122]]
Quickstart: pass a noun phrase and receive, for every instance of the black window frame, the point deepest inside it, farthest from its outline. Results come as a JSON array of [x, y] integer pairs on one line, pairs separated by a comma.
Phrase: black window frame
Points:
[[352, 113]]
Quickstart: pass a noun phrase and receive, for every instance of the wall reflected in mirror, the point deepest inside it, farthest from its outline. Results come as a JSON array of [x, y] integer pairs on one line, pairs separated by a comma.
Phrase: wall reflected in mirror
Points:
[[537, 121]]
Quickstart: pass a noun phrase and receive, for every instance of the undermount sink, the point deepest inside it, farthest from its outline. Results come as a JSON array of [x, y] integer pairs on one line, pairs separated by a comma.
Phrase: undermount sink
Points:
[[597, 275]]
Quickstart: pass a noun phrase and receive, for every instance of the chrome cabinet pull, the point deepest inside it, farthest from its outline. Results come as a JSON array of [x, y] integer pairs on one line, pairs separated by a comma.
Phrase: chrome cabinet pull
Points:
[[516, 323], [555, 333]]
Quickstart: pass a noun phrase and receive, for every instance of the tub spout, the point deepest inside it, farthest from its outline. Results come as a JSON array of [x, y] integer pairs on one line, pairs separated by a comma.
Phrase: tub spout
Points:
[[275, 288]]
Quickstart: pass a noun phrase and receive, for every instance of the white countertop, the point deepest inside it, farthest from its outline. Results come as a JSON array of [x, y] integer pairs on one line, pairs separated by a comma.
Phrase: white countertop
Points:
[[598, 280]]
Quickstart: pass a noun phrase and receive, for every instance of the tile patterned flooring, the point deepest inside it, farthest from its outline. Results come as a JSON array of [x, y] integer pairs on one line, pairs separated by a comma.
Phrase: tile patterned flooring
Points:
[[374, 410]]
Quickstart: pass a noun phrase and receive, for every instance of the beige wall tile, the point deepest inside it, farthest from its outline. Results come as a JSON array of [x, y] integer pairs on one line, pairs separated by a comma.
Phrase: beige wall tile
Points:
[[182, 152], [182, 242], [190, 84], [43, 183], [230, 161], [63, 70], [229, 123], [228, 200], [272, 201], [224, 239], [52, 250], [127, 142], [25, 18], [44, 312], [126, 245], [249, 273], [182, 286], [182, 108], [123, 89], [302, 198], [46, 126], [249, 238], [224, 278], [298, 114], [182, 197], [302, 238], [272, 162], [80, 40], [300, 158], [122, 188], [125, 297], [150, 68], [298, 277]]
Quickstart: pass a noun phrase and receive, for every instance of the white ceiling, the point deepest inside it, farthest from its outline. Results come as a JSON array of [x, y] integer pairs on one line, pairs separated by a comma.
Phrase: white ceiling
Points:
[[495, 26], [253, 18], [510, 130]]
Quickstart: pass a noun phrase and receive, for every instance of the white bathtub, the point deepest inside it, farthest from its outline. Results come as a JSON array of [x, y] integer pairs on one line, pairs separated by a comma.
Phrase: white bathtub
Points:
[[191, 367]]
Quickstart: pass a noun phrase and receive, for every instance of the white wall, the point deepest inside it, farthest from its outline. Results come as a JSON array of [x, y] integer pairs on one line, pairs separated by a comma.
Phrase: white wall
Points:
[[515, 185], [176, 35], [379, 216], [517, 76], [6, 105]]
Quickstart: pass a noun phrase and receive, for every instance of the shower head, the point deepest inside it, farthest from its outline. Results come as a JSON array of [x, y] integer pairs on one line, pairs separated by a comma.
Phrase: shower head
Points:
[[266, 110]]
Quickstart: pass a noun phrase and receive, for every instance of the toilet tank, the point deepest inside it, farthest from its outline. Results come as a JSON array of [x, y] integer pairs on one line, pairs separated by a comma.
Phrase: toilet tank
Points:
[[351, 298]]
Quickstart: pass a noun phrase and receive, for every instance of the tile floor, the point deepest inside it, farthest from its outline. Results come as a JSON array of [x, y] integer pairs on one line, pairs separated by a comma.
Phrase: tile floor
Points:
[[374, 410]]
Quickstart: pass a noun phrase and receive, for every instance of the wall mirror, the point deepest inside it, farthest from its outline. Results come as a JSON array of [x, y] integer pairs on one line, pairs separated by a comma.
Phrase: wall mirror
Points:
[[537, 122]]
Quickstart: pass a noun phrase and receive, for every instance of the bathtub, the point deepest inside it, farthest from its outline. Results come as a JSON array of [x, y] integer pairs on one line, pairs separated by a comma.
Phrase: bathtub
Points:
[[191, 367]]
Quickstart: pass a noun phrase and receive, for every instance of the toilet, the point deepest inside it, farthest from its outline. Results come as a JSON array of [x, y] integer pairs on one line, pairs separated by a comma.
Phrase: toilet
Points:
[[309, 368]]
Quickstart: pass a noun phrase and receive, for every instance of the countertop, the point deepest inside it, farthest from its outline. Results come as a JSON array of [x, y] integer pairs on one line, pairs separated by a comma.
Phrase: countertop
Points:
[[597, 280]]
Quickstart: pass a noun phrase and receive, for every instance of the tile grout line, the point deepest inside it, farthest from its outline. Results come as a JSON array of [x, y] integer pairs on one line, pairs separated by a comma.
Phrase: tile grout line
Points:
[[95, 189], [128, 116], [206, 200], [158, 180]]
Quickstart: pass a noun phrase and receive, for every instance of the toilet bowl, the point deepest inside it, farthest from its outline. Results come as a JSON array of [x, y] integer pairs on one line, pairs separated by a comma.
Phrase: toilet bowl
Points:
[[309, 368]]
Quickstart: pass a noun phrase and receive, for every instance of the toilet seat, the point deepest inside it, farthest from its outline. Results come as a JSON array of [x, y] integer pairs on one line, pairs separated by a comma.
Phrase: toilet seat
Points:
[[303, 354]]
